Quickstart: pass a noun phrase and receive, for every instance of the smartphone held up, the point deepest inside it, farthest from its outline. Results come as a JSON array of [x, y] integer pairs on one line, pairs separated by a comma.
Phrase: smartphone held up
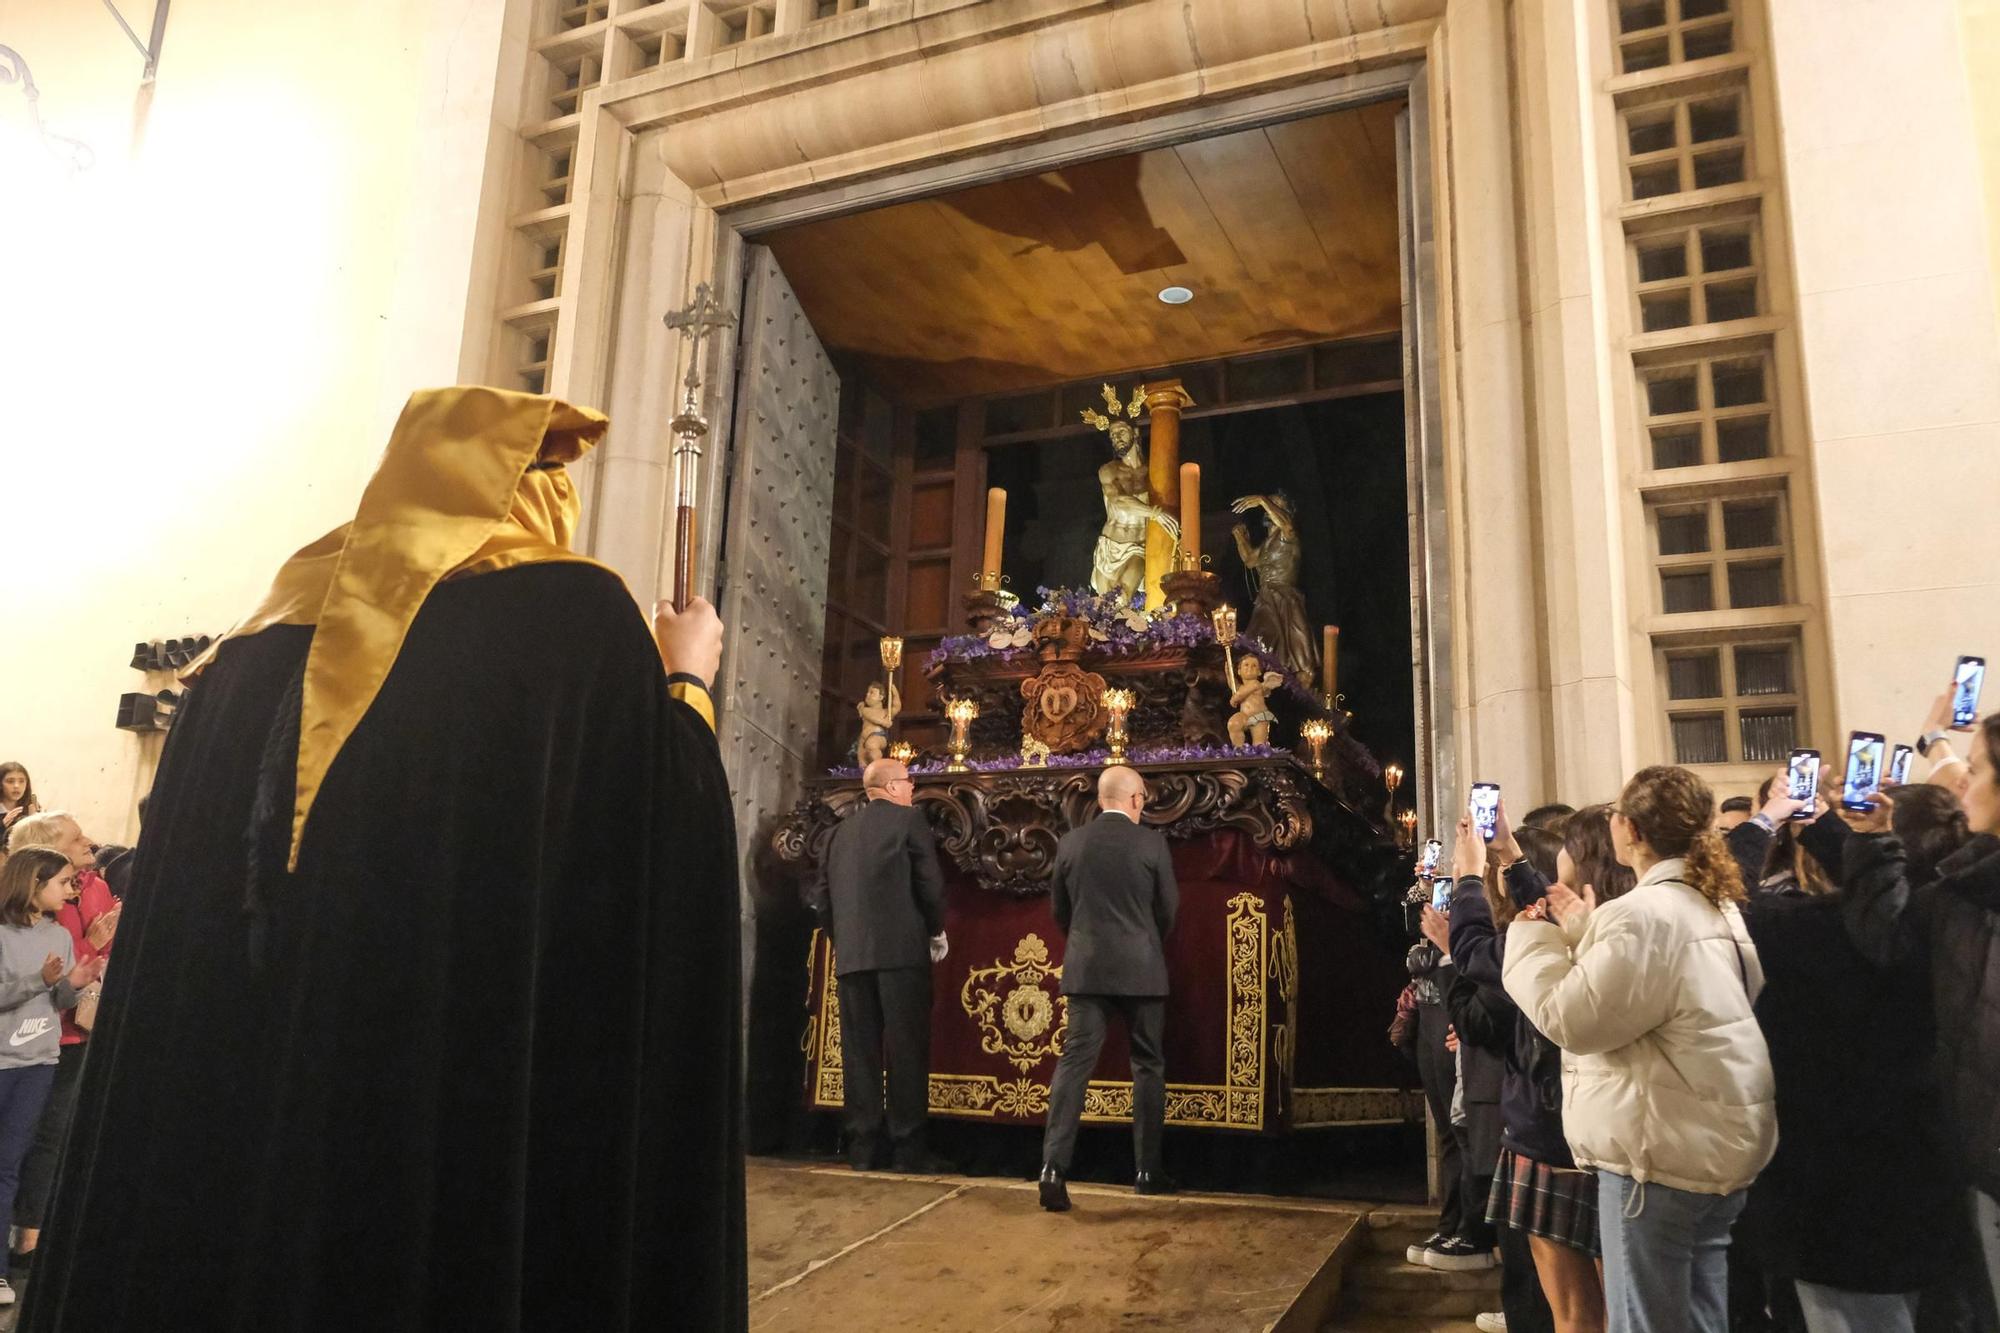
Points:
[[1484, 807], [1865, 752], [1802, 780], [1966, 679]]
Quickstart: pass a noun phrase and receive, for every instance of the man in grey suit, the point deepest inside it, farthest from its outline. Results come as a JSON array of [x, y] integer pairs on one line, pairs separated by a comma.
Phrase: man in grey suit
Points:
[[882, 898], [1114, 898]]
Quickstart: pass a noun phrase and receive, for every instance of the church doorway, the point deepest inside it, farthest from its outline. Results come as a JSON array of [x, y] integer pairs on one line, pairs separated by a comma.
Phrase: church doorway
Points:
[[971, 330], [899, 361]]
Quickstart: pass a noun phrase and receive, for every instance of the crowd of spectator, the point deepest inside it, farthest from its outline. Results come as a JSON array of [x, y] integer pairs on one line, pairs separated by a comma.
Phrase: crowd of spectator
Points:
[[1736, 1066]]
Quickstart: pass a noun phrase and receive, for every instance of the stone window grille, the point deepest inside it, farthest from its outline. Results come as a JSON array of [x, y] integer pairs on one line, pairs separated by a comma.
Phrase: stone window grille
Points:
[[1722, 553], [1696, 275], [1734, 702], [1652, 34], [1719, 409], [1697, 142]]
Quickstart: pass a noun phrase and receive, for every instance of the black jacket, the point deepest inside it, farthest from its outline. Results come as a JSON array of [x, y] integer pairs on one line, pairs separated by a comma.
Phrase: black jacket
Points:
[[1949, 929], [1483, 1017], [881, 892], [1861, 1185], [1531, 1079], [1114, 895], [1750, 843]]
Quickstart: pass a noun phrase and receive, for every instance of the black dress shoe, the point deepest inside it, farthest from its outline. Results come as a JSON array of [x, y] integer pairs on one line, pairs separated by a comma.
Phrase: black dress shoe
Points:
[[1154, 1182], [1055, 1194], [865, 1154]]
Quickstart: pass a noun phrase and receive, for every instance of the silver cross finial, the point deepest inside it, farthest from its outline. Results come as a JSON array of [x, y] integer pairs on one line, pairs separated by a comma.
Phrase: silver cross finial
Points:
[[695, 321]]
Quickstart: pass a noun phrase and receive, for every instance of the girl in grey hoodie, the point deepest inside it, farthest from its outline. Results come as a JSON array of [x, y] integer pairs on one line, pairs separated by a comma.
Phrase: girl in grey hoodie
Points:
[[39, 978]]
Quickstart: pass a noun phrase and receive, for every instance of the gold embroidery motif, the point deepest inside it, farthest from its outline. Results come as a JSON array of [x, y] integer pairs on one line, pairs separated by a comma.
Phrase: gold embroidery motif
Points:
[[1026, 1008], [1243, 1058], [1022, 1020]]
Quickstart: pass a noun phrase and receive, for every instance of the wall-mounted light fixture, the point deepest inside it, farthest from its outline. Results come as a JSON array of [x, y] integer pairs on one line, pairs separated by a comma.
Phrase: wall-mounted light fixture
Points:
[[73, 153]]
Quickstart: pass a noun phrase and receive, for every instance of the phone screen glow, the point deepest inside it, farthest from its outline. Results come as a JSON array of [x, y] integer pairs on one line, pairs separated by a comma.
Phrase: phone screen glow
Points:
[[1864, 771], [1965, 685], [1486, 808], [1899, 764], [1804, 779]]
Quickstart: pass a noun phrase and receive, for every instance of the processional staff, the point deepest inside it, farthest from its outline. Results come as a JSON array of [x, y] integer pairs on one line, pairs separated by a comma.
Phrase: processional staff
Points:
[[694, 322]]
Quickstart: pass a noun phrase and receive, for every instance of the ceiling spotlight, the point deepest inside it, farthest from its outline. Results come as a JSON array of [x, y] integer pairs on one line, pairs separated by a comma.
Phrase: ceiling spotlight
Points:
[[1176, 295]]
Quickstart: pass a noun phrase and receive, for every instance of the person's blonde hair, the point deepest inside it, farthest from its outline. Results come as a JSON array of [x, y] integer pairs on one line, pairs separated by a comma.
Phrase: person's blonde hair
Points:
[[1674, 811], [43, 830], [22, 875]]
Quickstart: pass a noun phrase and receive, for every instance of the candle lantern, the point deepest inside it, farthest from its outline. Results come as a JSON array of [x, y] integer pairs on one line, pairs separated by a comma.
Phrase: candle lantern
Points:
[[1392, 778], [959, 712], [1118, 703], [892, 661], [1406, 828], [1224, 617], [903, 752], [1316, 731]]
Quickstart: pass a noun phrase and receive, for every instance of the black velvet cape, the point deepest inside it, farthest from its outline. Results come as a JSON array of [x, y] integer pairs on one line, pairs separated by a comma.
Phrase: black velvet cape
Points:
[[476, 1064]]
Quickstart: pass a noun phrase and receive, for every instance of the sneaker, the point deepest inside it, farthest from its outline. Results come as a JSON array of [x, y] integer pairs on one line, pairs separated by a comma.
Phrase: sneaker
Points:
[[1415, 1254], [1491, 1323], [6, 1292], [1456, 1254]]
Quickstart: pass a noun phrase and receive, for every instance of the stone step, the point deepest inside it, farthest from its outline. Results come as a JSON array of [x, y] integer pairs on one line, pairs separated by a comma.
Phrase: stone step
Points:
[[1379, 1272], [1383, 1284], [1394, 1230]]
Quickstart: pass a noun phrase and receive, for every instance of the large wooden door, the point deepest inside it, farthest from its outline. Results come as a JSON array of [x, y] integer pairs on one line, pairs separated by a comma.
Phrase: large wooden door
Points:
[[905, 497], [774, 556]]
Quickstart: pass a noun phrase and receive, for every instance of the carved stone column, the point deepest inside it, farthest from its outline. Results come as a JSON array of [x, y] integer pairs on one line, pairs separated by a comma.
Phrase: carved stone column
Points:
[[1164, 401]]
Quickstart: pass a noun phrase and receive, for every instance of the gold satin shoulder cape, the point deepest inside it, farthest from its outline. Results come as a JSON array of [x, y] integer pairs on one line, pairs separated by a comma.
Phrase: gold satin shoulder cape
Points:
[[473, 481]]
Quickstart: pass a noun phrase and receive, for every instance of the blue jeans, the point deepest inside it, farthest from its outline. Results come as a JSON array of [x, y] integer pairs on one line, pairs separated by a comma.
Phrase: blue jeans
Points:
[[1666, 1256], [23, 1092]]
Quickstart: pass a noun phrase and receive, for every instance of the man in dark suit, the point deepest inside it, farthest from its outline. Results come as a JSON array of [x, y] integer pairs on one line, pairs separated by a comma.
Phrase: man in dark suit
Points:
[[882, 899], [1114, 898]]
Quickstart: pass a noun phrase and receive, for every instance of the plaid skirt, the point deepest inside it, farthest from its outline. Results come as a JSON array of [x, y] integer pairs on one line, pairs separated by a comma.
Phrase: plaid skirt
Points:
[[1551, 1202]]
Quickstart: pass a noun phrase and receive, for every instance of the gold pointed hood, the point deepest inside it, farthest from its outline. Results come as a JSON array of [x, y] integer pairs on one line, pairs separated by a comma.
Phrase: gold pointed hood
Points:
[[473, 481]]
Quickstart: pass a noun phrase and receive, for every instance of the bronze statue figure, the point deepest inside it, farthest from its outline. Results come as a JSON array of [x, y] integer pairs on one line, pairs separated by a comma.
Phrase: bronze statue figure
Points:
[[1279, 616]]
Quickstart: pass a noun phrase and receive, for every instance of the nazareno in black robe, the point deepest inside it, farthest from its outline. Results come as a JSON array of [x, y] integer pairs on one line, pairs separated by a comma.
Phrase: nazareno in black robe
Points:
[[476, 1064]]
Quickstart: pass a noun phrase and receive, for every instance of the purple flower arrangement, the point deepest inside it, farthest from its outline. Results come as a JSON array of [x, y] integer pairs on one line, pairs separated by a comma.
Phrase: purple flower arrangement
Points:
[[1111, 615]]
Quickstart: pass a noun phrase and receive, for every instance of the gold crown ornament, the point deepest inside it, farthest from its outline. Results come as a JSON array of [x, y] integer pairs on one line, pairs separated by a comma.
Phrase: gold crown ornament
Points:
[[1131, 409]]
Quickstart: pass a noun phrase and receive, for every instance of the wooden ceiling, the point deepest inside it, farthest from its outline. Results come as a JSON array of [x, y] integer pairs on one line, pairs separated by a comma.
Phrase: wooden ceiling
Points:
[[1286, 234]]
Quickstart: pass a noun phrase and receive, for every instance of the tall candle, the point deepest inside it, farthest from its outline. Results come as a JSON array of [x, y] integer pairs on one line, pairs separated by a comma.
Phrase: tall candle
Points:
[[1330, 660], [1191, 509], [996, 526]]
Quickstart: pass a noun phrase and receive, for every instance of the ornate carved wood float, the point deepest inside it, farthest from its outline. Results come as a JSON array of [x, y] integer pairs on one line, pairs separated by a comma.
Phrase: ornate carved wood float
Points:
[[1001, 828]]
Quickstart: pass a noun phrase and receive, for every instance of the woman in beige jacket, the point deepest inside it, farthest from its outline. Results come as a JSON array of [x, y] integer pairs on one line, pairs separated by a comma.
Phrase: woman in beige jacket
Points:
[[1667, 1087]]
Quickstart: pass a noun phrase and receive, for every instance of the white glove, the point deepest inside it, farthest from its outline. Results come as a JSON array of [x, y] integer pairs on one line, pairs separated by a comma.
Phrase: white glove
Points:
[[940, 946]]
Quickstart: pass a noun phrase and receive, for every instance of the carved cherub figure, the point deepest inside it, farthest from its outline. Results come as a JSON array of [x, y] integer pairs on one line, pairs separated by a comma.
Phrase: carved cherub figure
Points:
[[875, 723], [1253, 717]]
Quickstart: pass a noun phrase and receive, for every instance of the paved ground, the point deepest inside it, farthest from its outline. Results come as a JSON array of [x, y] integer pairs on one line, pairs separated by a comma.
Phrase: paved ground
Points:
[[903, 1254]]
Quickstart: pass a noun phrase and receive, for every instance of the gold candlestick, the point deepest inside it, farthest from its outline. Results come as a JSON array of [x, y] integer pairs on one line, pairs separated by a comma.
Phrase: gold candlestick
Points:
[[959, 712], [1406, 828], [1316, 731], [903, 752], [1392, 778], [1118, 703]]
